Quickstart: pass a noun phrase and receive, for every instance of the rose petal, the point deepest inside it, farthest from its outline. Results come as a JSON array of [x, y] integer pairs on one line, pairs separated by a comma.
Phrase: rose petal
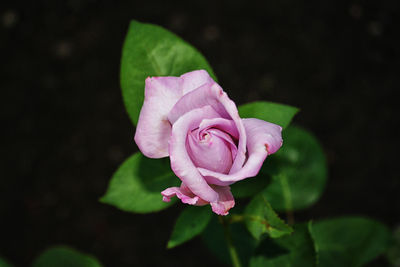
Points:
[[194, 79], [181, 163], [225, 201], [184, 194], [161, 94], [210, 150], [153, 128], [263, 138], [212, 95], [221, 207], [228, 139], [228, 126], [225, 125]]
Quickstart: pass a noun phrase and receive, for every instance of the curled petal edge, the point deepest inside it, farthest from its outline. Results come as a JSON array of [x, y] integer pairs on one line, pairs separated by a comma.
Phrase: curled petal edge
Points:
[[221, 207], [184, 194]]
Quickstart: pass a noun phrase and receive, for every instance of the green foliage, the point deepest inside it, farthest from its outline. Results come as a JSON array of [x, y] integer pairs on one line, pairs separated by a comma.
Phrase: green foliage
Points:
[[291, 179], [349, 241], [215, 240], [137, 184], [151, 50], [298, 171], [268, 111], [260, 218], [250, 187], [295, 250], [62, 256], [4, 263], [190, 223]]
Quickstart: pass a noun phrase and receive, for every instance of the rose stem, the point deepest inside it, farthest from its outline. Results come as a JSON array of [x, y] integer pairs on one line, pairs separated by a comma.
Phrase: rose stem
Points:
[[231, 247]]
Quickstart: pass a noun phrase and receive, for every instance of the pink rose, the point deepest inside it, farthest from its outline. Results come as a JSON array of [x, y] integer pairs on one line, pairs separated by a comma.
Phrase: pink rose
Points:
[[193, 121]]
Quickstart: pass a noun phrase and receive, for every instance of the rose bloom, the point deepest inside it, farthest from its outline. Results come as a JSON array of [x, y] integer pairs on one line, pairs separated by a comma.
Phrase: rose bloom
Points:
[[193, 121]]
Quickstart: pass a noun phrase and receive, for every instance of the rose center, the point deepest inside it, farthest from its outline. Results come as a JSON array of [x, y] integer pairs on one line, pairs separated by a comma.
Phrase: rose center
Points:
[[211, 149]]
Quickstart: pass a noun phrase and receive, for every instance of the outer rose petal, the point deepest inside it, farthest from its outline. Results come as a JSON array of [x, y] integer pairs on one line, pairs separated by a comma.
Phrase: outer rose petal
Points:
[[153, 128], [213, 95], [263, 138], [221, 207], [194, 79], [184, 194], [225, 202], [181, 163], [161, 94]]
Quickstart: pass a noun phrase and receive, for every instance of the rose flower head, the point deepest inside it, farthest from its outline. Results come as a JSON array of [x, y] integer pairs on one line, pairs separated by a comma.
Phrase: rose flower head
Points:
[[193, 121]]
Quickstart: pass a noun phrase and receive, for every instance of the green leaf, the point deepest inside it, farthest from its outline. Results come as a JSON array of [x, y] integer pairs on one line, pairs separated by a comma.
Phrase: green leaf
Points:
[[4, 263], [298, 171], [215, 240], [250, 187], [268, 111], [151, 50], [350, 241], [137, 184], [296, 250], [260, 218], [62, 256], [191, 222]]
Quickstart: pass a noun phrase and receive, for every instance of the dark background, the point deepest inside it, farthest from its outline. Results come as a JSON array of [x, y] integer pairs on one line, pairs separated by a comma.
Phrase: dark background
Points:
[[64, 127]]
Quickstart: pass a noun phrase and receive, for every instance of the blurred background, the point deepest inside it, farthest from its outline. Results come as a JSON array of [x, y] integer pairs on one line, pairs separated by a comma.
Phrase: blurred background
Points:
[[65, 129]]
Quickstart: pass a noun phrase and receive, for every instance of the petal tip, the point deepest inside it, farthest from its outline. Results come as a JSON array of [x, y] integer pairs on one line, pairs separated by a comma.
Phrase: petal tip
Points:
[[166, 199]]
